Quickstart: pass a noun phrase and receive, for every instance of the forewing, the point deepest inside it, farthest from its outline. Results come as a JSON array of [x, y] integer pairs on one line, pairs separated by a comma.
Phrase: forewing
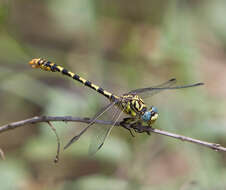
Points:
[[150, 91], [102, 132], [98, 137], [99, 114], [169, 85]]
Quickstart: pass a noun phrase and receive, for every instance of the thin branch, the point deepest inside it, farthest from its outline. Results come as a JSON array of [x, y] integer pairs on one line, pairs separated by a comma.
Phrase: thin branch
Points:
[[37, 119], [2, 155], [58, 142]]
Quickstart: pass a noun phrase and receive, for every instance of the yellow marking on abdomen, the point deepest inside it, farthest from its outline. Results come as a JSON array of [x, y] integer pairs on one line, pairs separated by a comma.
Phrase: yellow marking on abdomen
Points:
[[50, 66], [107, 93], [95, 86], [82, 80], [72, 74]]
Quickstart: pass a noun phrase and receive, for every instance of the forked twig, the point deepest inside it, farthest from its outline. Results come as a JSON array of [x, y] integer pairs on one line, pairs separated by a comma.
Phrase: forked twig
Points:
[[39, 119], [2, 155], [58, 142]]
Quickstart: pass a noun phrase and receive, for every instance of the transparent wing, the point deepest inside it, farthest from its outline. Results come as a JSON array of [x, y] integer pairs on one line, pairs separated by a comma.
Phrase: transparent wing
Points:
[[168, 85], [102, 132], [157, 87], [99, 114]]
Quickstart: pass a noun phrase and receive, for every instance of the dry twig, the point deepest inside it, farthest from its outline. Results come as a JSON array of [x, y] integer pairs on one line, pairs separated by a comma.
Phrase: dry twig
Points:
[[37, 119], [58, 142], [2, 155]]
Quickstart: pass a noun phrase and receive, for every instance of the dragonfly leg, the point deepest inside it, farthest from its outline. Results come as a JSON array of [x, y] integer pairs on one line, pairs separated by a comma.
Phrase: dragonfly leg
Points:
[[127, 128], [128, 120], [126, 124], [148, 132], [139, 128]]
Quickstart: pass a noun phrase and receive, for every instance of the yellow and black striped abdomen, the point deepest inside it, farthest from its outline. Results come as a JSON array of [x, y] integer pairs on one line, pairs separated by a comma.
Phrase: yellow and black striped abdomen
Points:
[[50, 66]]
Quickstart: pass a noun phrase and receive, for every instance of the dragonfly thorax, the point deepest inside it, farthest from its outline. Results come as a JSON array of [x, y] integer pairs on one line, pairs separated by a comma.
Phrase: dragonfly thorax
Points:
[[134, 106]]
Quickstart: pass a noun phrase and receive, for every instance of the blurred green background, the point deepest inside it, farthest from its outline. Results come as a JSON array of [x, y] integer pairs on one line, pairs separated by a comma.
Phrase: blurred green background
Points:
[[119, 45]]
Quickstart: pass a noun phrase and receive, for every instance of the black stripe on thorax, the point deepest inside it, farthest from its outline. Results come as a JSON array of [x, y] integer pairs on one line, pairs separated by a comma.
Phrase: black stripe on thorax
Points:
[[144, 109], [135, 105]]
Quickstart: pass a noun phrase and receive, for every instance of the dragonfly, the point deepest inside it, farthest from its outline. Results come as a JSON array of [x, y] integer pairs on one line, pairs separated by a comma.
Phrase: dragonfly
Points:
[[131, 103]]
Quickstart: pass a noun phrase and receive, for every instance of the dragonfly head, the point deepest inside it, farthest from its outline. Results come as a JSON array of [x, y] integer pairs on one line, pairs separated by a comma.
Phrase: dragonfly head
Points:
[[150, 115]]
